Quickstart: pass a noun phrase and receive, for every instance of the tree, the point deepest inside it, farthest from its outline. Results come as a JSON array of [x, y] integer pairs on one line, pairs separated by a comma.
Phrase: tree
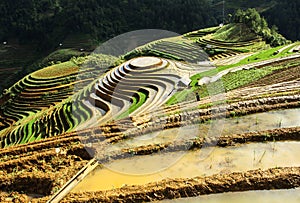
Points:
[[259, 26]]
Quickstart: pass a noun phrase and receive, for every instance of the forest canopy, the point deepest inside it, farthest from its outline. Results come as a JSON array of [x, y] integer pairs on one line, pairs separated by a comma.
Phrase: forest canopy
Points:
[[259, 26], [48, 21]]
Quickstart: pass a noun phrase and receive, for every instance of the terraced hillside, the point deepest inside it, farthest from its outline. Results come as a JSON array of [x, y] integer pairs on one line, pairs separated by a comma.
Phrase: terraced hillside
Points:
[[227, 41], [163, 124], [132, 88], [31, 108], [176, 48]]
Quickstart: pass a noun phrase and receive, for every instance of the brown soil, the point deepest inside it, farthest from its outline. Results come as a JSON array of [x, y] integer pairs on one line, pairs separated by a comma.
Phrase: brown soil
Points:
[[45, 166], [40, 172], [283, 134], [283, 82], [276, 178], [283, 75], [202, 115]]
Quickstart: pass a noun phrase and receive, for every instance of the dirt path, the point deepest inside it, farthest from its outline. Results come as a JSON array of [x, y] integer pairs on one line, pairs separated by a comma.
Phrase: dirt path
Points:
[[285, 47], [295, 49], [207, 80], [243, 94]]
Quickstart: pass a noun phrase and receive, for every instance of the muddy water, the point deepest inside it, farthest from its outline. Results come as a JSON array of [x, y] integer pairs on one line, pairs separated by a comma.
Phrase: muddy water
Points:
[[249, 123], [144, 169], [207, 161], [264, 196]]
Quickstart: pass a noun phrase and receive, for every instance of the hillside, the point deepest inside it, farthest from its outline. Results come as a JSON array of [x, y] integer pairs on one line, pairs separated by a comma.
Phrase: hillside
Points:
[[47, 26], [86, 14], [211, 111], [52, 94]]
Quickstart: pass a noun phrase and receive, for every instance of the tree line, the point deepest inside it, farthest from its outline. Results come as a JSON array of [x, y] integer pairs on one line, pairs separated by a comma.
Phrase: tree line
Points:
[[259, 26], [49, 21], [286, 16]]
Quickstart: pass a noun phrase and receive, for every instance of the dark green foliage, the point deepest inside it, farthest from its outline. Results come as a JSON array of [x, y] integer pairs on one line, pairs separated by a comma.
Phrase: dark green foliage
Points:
[[60, 55], [286, 15], [35, 28], [259, 25], [49, 21]]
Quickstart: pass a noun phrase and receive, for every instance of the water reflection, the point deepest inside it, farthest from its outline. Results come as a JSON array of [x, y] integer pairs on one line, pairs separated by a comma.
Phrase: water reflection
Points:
[[141, 169]]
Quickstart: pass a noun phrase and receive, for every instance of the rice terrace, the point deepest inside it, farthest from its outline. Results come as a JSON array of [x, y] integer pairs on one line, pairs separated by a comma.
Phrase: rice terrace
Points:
[[212, 115]]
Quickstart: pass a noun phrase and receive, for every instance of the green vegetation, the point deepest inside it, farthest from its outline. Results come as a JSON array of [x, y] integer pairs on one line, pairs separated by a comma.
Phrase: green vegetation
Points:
[[175, 48], [61, 55], [259, 26], [179, 97], [288, 49], [48, 25], [50, 21], [247, 32], [259, 56], [35, 103], [202, 32], [234, 32], [240, 78], [235, 80], [57, 70], [56, 99], [51, 122], [138, 100], [286, 16], [49, 102], [228, 82]]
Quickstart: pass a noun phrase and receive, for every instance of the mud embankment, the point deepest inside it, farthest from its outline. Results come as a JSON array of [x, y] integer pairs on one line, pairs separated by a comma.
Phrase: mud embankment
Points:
[[283, 134], [275, 178], [202, 115]]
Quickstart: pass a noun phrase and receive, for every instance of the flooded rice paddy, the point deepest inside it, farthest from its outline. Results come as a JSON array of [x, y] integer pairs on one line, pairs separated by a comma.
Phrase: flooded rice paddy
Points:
[[187, 164], [250, 123], [138, 170], [261, 196]]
